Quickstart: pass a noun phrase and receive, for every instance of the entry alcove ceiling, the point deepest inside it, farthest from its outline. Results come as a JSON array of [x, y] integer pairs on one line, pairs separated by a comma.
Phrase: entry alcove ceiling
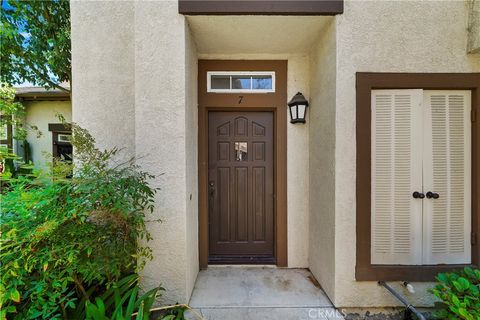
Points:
[[256, 34]]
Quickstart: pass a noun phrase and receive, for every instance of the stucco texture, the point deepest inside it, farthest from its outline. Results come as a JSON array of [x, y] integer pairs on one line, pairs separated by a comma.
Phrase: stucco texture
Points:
[[384, 36], [321, 252], [103, 96], [132, 89], [40, 114], [164, 98], [473, 45]]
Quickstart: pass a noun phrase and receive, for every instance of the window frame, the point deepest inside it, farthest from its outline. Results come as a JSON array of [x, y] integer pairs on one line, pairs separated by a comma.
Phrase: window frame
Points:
[[9, 141], [56, 129], [365, 83], [239, 73]]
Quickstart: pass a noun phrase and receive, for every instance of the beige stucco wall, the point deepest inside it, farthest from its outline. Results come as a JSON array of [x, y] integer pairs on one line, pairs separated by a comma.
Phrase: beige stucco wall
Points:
[[132, 89], [474, 26], [191, 152], [298, 183], [322, 159], [40, 114], [390, 36], [164, 99], [103, 70]]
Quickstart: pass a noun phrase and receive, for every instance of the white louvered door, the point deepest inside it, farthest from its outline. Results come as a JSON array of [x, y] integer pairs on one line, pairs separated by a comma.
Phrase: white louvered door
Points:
[[447, 172], [396, 235], [421, 141]]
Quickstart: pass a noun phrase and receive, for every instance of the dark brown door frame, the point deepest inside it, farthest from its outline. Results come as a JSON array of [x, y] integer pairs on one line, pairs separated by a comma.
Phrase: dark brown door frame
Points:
[[248, 102]]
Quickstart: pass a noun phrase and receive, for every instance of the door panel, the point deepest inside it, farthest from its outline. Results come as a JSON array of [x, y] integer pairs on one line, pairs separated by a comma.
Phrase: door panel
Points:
[[396, 174], [447, 173], [241, 207]]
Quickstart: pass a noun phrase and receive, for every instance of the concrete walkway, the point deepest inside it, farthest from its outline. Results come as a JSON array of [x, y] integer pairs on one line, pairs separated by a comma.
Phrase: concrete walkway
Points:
[[244, 293]]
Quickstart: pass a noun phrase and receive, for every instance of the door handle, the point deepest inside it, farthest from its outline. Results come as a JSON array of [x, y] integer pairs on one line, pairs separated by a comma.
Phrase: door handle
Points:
[[432, 195], [211, 188], [418, 195]]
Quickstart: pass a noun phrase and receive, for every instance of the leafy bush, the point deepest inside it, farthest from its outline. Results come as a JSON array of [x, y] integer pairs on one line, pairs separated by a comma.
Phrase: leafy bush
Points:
[[123, 299], [122, 302], [459, 293], [64, 241]]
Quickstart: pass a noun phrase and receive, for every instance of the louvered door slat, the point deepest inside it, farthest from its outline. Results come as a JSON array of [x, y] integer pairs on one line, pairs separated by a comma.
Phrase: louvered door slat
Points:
[[447, 171], [396, 174]]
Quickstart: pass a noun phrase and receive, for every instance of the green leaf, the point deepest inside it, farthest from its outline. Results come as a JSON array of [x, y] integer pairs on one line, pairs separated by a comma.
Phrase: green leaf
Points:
[[457, 286], [455, 301], [15, 295], [464, 283], [140, 314]]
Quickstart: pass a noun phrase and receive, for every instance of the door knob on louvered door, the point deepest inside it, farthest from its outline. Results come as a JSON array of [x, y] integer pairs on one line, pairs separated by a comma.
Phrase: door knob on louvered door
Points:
[[432, 195], [418, 195]]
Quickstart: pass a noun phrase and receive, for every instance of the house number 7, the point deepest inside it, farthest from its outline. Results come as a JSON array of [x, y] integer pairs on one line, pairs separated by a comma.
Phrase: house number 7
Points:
[[240, 99]]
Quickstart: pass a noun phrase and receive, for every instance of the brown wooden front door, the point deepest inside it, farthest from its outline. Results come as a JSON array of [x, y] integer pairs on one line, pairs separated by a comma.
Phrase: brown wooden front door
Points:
[[241, 187], [235, 239]]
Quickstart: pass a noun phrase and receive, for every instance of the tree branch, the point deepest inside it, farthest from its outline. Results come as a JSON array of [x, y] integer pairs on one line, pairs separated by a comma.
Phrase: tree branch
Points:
[[41, 75], [79, 285], [45, 77]]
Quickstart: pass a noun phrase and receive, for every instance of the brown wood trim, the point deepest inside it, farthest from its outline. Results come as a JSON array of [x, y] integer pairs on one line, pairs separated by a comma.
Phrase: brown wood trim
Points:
[[250, 102], [365, 82], [261, 7], [58, 127], [43, 96]]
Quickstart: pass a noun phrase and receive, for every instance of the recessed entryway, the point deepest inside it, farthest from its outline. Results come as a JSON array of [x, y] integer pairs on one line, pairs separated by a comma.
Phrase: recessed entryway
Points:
[[242, 162]]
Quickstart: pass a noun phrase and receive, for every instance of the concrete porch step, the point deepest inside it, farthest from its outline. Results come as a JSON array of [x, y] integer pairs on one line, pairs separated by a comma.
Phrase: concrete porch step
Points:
[[265, 313], [246, 293]]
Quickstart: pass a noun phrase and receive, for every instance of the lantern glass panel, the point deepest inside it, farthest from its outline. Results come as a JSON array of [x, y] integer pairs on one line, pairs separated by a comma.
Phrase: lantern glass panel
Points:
[[301, 111], [294, 112]]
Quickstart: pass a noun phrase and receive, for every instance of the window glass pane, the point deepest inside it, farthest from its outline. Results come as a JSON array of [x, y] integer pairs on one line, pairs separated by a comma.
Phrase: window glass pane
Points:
[[262, 82], [65, 138], [220, 82], [241, 151], [241, 82]]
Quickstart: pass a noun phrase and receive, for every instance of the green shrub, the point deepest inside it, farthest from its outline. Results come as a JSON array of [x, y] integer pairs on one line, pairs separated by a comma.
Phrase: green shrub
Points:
[[459, 293], [121, 301], [64, 241]]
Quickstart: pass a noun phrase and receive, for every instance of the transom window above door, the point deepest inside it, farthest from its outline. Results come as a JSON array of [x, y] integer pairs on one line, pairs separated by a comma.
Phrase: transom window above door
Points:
[[240, 81]]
